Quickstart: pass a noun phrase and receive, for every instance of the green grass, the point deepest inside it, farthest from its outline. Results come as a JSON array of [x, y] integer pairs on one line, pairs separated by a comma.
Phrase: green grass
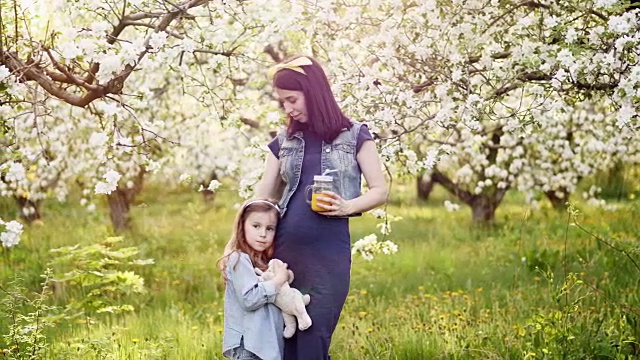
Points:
[[451, 292]]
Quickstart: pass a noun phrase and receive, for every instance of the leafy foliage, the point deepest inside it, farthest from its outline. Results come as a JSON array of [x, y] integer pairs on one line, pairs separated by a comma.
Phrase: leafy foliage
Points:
[[97, 276]]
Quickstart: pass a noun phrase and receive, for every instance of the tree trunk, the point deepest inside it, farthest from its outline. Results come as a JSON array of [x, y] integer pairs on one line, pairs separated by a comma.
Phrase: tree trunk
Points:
[[483, 210], [119, 208], [120, 203], [483, 206], [558, 203], [424, 186], [29, 210], [208, 195]]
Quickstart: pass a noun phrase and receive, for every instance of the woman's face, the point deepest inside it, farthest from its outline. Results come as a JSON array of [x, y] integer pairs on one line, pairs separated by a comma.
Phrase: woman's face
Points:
[[294, 104]]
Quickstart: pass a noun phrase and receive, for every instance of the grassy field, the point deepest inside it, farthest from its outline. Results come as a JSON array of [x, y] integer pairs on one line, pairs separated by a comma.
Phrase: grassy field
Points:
[[533, 287]]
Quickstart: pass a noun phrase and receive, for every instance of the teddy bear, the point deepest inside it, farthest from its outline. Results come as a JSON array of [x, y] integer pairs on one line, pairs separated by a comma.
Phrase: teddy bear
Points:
[[289, 300]]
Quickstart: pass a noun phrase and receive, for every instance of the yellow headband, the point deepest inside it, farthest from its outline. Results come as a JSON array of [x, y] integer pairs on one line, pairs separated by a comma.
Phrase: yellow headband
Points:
[[295, 65]]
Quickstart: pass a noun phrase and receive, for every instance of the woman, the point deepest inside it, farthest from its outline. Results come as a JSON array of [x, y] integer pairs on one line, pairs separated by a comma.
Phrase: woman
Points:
[[316, 246]]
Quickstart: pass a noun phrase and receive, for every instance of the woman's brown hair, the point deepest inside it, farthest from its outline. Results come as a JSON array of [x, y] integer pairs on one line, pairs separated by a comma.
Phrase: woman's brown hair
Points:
[[325, 116]]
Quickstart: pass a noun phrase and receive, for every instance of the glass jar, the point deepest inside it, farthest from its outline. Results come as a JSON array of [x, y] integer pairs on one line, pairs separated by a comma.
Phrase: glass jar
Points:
[[320, 183]]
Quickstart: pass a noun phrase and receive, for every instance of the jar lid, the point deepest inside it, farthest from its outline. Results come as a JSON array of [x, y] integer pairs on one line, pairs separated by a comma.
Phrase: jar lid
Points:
[[322, 178]]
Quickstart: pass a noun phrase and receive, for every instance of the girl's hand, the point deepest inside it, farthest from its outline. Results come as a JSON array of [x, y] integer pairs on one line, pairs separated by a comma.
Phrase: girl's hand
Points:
[[335, 204], [281, 274]]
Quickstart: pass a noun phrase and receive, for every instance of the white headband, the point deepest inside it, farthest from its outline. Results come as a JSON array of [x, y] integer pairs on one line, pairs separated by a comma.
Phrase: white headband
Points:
[[261, 201]]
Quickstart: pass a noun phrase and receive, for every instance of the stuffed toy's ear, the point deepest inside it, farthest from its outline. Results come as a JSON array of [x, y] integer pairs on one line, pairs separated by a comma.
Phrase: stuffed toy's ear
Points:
[[273, 261], [290, 276]]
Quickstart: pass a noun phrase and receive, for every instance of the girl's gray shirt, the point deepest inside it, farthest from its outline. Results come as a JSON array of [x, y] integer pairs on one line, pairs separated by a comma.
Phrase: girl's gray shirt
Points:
[[249, 313]]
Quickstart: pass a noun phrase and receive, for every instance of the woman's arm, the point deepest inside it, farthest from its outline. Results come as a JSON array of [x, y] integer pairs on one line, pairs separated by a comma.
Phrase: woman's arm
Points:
[[269, 187], [271, 184], [369, 162]]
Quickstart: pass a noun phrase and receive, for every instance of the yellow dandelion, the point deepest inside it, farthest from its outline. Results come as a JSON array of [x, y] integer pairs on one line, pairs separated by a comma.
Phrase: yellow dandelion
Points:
[[362, 314], [135, 341], [479, 290], [363, 292]]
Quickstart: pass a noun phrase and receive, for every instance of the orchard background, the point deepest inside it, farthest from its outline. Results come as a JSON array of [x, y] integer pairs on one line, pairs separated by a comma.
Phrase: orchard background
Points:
[[130, 131]]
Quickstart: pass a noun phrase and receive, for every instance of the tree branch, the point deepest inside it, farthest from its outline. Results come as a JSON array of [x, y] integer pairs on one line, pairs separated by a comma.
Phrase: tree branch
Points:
[[49, 80], [528, 3], [496, 56], [521, 79], [418, 88], [443, 180], [151, 26], [68, 76], [252, 123]]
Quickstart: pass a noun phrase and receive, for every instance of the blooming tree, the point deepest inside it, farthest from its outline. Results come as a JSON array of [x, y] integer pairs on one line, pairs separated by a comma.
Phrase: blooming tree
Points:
[[129, 91], [485, 96], [480, 93]]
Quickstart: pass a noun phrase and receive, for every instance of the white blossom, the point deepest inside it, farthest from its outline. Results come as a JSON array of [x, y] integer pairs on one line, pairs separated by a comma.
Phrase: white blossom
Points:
[[4, 72], [451, 207], [158, 39], [369, 246], [11, 234]]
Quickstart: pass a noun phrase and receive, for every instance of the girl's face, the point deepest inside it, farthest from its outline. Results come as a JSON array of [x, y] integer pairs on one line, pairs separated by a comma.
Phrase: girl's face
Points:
[[294, 104], [259, 230]]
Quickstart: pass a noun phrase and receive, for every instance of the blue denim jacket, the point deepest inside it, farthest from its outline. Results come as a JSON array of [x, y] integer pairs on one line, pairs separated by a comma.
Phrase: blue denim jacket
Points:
[[339, 154], [249, 313]]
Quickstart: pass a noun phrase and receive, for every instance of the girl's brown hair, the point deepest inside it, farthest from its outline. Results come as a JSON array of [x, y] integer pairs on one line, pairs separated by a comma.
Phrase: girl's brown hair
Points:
[[238, 239]]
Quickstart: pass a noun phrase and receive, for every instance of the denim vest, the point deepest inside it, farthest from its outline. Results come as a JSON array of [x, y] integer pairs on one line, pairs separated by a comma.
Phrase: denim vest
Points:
[[339, 154]]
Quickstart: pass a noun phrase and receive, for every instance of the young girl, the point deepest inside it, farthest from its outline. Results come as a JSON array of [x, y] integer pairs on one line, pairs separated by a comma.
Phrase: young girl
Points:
[[252, 324]]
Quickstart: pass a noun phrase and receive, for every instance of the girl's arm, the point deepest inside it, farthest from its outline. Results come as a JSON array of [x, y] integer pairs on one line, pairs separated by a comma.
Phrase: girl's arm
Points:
[[251, 293], [369, 162]]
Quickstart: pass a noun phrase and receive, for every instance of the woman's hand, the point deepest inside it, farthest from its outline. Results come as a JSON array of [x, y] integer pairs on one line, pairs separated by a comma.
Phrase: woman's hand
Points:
[[335, 204]]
